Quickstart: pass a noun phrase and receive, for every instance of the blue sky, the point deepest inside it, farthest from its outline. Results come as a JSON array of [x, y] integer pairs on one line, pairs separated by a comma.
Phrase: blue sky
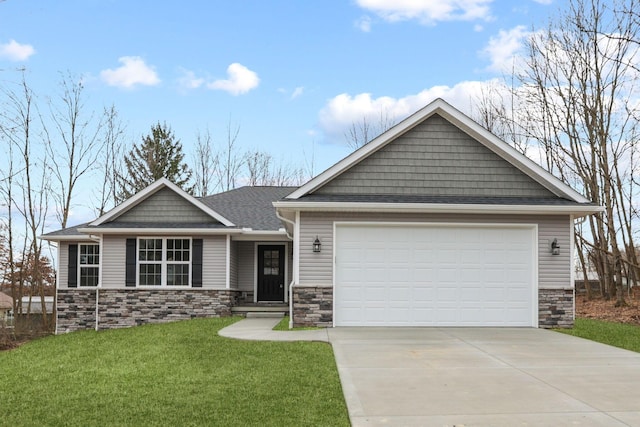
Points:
[[292, 74]]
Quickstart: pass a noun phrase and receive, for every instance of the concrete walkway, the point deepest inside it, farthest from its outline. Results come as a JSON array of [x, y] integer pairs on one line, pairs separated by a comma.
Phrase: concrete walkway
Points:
[[261, 329], [495, 377]]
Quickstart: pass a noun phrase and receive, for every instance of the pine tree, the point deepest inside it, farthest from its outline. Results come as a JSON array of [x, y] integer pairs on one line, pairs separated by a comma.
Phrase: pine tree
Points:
[[158, 155]]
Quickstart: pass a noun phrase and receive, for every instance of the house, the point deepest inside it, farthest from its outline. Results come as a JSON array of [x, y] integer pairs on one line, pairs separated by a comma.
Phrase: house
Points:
[[6, 308], [436, 222]]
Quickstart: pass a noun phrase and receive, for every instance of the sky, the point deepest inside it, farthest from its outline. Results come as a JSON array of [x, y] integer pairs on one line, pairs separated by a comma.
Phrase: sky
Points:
[[293, 75]]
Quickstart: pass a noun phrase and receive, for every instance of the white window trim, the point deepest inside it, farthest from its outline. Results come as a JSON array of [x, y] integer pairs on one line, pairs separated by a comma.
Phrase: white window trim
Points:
[[80, 265], [164, 262]]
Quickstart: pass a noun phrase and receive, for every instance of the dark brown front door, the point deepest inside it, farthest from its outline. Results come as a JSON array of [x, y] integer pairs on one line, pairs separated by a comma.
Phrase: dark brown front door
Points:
[[271, 272]]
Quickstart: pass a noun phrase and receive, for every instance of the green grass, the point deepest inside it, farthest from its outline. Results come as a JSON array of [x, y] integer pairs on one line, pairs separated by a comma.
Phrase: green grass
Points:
[[283, 325], [179, 373], [615, 334]]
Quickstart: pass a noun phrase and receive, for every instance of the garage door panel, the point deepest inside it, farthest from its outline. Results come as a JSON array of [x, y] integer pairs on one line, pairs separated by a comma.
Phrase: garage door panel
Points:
[[434, 275]]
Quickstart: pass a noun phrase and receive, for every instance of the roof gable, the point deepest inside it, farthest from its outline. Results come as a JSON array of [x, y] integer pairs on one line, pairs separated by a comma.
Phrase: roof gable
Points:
[[162, 201], [435, 158], [455, 157]]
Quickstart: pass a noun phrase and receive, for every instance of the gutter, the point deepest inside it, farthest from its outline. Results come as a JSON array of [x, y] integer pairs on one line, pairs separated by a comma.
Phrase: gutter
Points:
[[281, 218]]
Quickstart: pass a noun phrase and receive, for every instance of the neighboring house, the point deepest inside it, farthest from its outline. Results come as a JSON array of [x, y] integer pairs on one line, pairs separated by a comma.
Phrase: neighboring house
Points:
[[436, 222], [33, 305], [6, 308]]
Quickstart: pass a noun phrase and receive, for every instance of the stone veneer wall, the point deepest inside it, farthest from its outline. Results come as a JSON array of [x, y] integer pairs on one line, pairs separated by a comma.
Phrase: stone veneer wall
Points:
[[75, 309], [121, 308], [313, 306], [555, 308]]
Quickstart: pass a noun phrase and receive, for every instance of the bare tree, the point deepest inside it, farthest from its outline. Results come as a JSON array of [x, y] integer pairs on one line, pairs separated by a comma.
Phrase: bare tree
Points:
[[363, 131], [230, 160], [577, 101], [74, 147], [205, 163], [262, 169], [31, 179], [110, 160]]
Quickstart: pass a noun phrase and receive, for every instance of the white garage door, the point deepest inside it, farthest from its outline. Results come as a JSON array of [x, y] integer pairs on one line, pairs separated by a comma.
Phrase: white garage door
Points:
[[428, 275]]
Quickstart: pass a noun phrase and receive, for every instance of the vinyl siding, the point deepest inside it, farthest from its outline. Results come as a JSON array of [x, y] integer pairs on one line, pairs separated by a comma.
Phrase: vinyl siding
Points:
[[554, 272], [214, 262], [113, 261], [234, 265], [165, 206], [435, 158], [63, 263], [246, 266]]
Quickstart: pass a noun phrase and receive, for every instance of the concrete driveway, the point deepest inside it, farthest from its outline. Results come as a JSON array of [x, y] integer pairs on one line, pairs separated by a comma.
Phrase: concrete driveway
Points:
[[484, 377]]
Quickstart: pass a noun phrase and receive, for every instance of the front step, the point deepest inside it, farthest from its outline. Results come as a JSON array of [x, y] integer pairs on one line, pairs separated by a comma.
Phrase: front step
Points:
[[261, 310], [263, 315]]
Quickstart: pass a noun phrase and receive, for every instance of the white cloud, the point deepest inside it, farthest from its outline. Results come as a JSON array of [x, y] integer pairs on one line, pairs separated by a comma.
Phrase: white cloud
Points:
[[363, 24], [240, 80], [428, 12], [502, 50], [545, 2], [14, 51], [133, 72], [297, 92], [344, 110], [189, 80]]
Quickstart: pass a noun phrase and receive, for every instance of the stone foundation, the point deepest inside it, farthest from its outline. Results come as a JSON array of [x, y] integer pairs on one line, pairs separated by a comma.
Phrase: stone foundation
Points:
[[313, 306], [75, 309], [121, 308], [555, 308]]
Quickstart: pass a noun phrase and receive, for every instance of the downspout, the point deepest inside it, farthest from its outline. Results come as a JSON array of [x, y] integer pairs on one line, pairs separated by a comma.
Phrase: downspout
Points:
[[97, 309], [294, 226]]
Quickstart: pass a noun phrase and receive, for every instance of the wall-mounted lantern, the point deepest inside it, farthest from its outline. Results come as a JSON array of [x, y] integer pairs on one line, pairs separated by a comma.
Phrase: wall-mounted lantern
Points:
[[555, 247], [316, 245]]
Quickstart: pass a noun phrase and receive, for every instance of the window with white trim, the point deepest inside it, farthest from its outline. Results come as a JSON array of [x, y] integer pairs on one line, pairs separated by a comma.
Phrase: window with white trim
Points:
[[164, 262], [89, 264]]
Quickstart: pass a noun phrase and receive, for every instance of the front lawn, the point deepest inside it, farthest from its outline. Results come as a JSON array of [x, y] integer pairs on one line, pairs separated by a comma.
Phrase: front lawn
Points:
[[615, 334], [179, 373]]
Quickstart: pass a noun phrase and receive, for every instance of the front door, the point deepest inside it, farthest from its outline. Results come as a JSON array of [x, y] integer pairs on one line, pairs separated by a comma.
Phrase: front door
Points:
[[271, 273]]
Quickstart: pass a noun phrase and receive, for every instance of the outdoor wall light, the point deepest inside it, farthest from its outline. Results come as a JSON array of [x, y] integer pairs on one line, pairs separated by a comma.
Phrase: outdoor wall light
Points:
[[555, 247], [316, 245]]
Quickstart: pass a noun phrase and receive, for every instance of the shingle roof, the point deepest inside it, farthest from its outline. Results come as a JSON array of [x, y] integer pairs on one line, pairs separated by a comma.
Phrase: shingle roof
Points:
[[249, 206], [69, 231]]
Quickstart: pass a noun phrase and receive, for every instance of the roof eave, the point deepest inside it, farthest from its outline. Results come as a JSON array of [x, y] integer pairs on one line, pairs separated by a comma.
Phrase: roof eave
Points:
[[576, 210], [156, 230]]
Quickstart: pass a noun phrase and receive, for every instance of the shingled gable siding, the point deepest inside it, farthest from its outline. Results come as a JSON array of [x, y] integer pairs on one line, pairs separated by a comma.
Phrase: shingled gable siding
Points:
[[316, 269], [165, 206], [435, 158]]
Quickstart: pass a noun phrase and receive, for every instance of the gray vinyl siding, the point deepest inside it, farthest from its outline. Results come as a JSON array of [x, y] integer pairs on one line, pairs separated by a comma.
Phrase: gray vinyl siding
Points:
[[63, 264], [554, 272], [113, 261], [234, 265], [165, 206], [438, 159], [246, 266], [214, 262]]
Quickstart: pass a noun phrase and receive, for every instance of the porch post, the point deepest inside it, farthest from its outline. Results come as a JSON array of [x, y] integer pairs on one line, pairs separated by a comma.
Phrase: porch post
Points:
[[228, 262]]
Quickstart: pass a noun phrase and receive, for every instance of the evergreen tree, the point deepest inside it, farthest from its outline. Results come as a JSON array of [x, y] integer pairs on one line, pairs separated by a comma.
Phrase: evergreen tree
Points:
[[158, 155]]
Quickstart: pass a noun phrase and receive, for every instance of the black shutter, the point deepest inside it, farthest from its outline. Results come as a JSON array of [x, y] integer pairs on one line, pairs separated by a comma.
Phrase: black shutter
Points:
[[72, 278], [130, 275], [196, 264]]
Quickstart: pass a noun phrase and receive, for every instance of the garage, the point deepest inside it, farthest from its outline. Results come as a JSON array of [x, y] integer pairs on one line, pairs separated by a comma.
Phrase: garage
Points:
[[435, 275]]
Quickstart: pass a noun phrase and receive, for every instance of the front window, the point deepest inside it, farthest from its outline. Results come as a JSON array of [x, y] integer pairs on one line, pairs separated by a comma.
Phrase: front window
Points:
[[164, 262], [89, 263]]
